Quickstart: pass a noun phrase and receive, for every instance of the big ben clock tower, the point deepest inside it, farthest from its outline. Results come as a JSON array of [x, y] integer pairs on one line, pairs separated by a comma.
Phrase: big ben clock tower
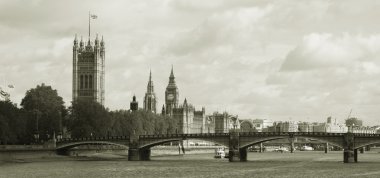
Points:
[[171, 95]]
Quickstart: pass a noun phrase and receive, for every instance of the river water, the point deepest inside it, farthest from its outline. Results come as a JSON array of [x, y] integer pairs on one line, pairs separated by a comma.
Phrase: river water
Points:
[[115, 164]]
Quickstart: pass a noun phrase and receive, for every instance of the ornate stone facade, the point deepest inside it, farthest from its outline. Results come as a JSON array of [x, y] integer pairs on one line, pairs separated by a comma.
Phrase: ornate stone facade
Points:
[[189, 120], [88, 70], [150, 96], [171, 95]]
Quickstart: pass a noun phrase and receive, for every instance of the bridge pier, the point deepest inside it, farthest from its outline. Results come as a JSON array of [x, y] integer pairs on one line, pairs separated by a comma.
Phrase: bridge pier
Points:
[[368, 148], [261, 147], [291, 140], [361, 150], [139, 154], [356, 155], [239, 155], [350, 155], [236, 153], [327, 147]]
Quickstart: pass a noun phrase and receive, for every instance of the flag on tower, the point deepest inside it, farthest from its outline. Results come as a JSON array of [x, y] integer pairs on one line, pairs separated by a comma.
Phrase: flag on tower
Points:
[[11, 86], [94, 16]]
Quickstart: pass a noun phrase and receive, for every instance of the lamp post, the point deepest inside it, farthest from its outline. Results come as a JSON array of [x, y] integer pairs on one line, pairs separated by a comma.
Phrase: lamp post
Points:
[[36, 133]]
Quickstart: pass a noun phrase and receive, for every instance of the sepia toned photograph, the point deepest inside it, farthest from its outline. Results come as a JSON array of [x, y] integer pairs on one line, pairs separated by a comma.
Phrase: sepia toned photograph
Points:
[[189, 88]]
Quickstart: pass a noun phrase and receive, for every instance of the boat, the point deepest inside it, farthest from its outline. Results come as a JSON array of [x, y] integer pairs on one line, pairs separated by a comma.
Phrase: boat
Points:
[[306, 148], [220, 152]]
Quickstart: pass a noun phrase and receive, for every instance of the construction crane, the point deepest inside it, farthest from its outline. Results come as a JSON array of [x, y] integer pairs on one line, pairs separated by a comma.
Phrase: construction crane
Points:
[[349, 115]]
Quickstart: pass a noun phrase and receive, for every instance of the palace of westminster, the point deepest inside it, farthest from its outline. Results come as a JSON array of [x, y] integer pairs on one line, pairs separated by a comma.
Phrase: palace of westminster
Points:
[[88, 83]]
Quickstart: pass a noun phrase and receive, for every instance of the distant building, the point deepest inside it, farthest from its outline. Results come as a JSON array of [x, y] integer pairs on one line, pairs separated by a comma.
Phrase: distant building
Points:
[[288, 126], [260, 124], [247, 126], [209, 125], [189, 120], [225, 122], [150, 96], [88, 70], [305, 127], [134, 105], [365, 130], [171, 95]]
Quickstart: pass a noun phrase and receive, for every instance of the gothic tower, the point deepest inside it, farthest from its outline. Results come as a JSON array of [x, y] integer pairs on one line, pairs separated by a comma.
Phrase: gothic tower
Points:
[[150, 96], [88, 70], [171, 95]]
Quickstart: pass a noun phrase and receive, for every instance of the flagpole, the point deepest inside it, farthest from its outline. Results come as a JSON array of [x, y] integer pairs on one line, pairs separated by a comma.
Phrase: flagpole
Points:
[[89, 24]]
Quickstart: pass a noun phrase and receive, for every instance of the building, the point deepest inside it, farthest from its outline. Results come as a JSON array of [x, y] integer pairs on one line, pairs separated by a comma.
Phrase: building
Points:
[[225, 122], [247, 126], [88, 70], [288, 126], [171, 95], [261, 124], [150, 96], [189, 120], [305, 127], [209, 125], [330, 127], [134, 105]]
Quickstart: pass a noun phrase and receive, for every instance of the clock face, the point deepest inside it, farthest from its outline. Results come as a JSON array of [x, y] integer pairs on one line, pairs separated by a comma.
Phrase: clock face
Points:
[[170, 97]]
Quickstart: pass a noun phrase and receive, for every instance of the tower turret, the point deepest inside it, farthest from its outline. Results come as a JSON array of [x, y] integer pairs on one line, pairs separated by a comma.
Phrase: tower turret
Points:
[[81, 44], [88, 70], [75, 40], [96, 40], [150, 96], [171, 94]]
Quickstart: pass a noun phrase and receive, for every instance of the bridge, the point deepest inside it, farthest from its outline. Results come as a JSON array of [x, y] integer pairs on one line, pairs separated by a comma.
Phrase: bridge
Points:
[[139, 145]]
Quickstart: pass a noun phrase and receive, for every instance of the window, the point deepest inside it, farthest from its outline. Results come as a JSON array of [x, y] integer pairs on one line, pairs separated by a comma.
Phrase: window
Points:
[[81, 81], [90, 81], [85, 81]]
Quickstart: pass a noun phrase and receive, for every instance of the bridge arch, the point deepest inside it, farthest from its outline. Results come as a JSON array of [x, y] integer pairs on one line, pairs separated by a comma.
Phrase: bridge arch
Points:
[[360, 145], [254, 141], [150, 144], [75, 144]]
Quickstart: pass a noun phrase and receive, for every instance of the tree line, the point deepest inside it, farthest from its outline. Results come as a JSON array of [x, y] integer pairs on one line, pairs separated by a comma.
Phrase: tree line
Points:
[[42, 114]]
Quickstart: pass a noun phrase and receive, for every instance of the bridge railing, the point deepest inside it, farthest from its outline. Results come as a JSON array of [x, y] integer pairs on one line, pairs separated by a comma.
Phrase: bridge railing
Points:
[[202, 135], [198, 135], [107, 138]]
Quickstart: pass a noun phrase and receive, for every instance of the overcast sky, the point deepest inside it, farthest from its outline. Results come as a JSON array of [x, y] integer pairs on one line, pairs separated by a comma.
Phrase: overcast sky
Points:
[[278, 60]]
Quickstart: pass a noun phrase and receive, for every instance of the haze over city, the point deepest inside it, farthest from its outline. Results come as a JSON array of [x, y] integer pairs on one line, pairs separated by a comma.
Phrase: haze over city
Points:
[[278, 60]]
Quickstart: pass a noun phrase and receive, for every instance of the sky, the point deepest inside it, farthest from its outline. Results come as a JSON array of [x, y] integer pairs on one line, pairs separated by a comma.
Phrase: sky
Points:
[[277, 60]]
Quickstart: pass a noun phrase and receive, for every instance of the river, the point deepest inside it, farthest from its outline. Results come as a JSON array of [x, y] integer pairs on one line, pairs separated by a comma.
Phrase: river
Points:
[[270, 164]]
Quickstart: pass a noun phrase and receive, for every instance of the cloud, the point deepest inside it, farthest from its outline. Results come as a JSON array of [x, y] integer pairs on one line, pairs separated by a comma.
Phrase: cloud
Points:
[[328, 51], [268, 59]]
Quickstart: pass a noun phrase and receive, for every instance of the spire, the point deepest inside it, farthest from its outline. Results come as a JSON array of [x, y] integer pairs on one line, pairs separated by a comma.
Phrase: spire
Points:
[[171, 73], [150, 75], [81, 41], [185, 102], [163, 110], [102, 42], [134, 98], [150, 87], [75, 40], [171, 78], [96, 40]]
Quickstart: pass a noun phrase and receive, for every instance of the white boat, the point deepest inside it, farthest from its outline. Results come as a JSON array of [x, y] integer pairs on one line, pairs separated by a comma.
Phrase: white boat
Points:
[[220, 152], [306, 148]]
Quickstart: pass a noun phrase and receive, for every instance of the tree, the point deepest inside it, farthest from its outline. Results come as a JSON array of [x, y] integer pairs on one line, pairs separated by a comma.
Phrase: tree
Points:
[[354, 122], [88, 118], [13, 124], [45, 109]]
